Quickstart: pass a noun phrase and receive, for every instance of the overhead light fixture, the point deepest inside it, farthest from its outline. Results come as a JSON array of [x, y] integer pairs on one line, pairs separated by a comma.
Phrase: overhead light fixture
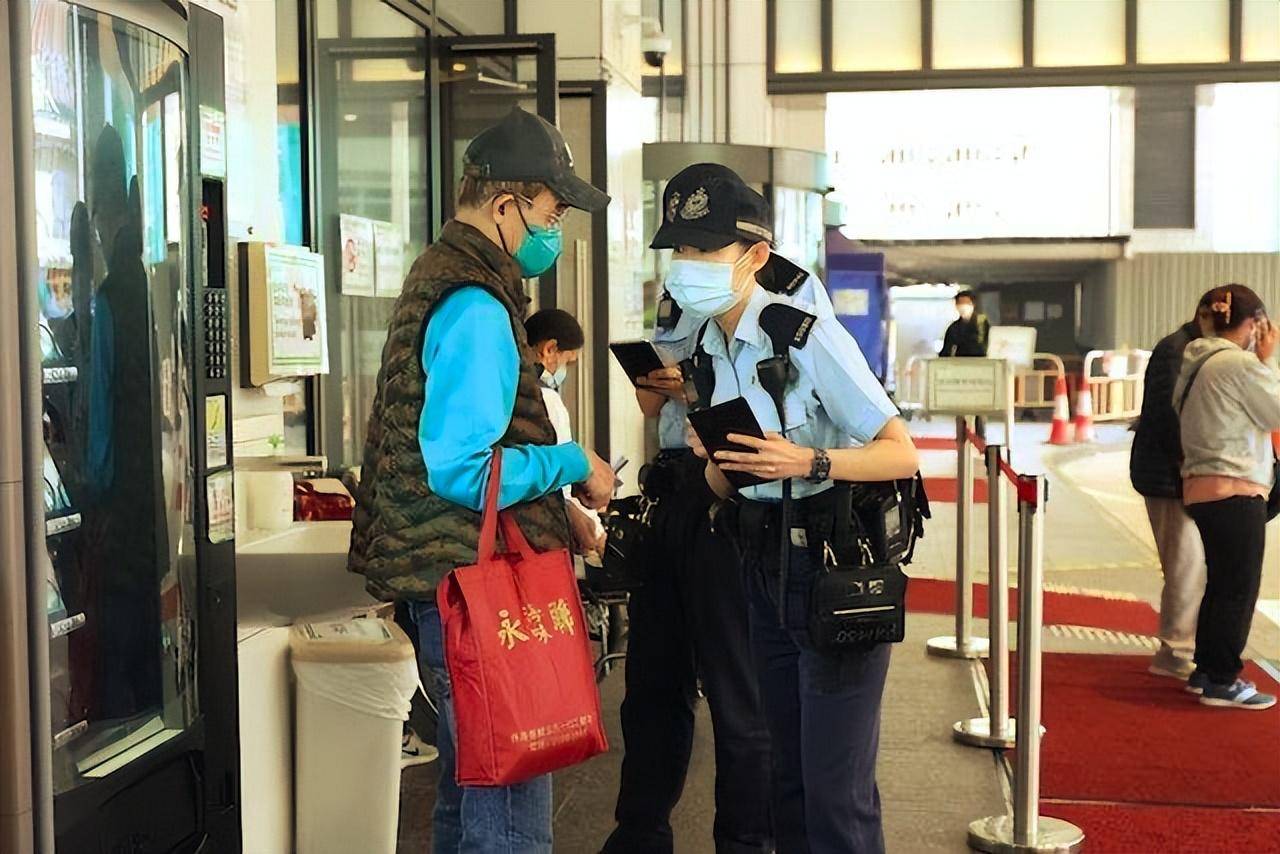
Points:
[[459, 66], [350, 117]]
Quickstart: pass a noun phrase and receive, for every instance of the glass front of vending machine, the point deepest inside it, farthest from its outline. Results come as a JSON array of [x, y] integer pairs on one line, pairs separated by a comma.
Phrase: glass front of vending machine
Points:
[[132, 476]]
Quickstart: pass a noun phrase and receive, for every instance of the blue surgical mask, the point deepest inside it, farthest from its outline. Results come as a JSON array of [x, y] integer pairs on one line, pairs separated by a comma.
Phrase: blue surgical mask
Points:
[[541, 247], [702, 288], [555, 380]]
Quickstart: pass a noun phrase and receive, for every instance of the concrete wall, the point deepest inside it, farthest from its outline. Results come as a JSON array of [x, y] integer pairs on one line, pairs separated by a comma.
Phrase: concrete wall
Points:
[[1150, 295]]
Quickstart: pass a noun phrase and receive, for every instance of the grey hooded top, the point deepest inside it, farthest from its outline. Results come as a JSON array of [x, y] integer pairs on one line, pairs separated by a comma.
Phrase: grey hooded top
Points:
[[1228, 417]]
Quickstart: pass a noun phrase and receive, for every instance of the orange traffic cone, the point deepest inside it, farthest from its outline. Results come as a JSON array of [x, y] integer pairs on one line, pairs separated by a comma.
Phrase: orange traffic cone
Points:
[[1061, 432], [1084, 414]]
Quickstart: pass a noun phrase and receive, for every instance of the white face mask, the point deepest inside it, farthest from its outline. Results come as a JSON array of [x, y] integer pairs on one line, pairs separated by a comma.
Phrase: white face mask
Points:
[[707, 288], [966, 311]]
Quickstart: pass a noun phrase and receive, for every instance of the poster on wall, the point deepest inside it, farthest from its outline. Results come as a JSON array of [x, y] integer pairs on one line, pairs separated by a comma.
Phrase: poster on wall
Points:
[[220, 502], [388, 259], [215, 430], [284, 289], [213, 142], [356, 240]]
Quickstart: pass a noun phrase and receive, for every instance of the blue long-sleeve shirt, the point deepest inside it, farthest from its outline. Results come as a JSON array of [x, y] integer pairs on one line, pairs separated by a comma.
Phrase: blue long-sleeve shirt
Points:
[[472, 368]]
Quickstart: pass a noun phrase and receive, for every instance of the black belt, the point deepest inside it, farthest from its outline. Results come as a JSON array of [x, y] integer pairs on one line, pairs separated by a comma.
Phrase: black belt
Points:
[[757, 522]]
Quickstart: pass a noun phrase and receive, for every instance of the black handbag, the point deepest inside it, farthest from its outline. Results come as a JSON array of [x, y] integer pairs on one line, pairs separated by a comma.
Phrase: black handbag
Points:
[[626, 559]]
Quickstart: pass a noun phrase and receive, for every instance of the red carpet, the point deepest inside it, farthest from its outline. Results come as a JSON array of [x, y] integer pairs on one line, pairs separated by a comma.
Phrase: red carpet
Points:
[[1117, 733], [1127, 828], [947, 490], [937, 596]]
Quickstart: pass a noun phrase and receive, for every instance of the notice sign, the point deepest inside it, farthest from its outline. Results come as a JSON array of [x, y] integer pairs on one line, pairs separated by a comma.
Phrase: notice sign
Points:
[[221, 505], [215, 430], [296, 312], [967, 386], [851, 302], [356, 236], [1014, 344], [213, 142], [388, 259], [283, 288]]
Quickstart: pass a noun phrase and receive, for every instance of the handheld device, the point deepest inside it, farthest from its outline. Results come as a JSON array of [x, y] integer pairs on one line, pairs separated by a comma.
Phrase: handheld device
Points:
[[636, 358], [713, 426]]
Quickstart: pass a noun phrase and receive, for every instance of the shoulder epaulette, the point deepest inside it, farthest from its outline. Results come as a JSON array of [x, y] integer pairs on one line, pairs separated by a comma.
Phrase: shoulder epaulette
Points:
[[786, 325]]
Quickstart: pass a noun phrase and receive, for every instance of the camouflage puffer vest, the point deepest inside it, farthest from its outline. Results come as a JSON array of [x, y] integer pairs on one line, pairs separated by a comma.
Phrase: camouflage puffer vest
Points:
[[404, 538]]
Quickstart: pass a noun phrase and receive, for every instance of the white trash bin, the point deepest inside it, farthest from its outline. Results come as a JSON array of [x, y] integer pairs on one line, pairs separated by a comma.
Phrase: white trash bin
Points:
[[355, 679]]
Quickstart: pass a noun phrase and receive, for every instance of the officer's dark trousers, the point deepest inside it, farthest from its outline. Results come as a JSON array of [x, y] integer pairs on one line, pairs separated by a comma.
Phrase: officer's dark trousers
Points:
[[690, 621], [824, 716]]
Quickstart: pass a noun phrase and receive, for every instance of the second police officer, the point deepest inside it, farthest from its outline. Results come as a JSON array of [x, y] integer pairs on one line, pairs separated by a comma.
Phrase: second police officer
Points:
[[831, 422]]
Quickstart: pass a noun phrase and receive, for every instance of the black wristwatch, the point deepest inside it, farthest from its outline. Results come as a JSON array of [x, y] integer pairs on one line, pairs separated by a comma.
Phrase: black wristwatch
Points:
[[821, 468]]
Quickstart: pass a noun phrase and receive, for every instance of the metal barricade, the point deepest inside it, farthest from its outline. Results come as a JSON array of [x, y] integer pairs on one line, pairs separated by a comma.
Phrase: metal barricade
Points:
[[962, 644], [1033, 387], [1116, 388], [1026, 830], [997, 729]]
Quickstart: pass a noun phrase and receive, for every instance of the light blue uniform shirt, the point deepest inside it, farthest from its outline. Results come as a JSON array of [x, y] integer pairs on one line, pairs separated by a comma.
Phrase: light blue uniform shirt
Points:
[[836, 402], [678, 343], [472, 368]]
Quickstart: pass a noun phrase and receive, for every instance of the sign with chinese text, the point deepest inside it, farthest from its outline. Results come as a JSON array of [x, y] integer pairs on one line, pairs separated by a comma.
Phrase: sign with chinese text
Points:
[[356, 237], [967, 386]]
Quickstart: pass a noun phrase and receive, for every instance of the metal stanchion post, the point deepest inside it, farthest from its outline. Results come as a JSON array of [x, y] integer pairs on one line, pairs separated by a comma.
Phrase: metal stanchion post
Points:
[[962, 644], [997, 730], [1028, 832]]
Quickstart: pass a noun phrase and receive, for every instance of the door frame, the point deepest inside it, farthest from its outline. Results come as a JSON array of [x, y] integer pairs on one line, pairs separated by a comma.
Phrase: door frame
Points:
[[597, 92]]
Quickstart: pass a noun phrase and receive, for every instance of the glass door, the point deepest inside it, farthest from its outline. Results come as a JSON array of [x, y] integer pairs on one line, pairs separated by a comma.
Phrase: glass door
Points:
[[374, 208], [112, 201]]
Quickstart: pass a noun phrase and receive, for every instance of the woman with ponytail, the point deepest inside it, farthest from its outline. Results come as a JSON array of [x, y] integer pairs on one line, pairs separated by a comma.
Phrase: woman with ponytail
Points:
[[1229, 400]]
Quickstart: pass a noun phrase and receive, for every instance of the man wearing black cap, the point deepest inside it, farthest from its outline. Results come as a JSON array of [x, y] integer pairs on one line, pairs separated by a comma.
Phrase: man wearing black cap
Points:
[[457, 380], [826, 421]]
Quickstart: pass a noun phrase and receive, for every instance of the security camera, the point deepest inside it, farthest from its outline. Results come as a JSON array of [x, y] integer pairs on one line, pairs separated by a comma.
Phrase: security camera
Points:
[[655, 46]]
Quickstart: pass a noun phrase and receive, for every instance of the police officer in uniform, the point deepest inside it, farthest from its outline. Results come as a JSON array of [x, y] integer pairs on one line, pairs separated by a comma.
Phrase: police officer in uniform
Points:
[[688, 626], [826, 421]]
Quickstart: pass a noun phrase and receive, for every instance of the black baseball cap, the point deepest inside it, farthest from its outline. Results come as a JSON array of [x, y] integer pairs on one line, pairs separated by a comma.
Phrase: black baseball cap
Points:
[[708, 206], [525, 147]]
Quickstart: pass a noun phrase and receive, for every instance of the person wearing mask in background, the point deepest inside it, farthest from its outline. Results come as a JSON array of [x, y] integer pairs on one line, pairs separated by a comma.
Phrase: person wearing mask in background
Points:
[[1229, 396], [1155, 469], [970, 333], [556, 339], [833, 423], [457, 380]]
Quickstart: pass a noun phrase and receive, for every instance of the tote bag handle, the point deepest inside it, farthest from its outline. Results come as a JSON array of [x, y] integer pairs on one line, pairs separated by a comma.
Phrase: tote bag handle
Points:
[[511, 533]]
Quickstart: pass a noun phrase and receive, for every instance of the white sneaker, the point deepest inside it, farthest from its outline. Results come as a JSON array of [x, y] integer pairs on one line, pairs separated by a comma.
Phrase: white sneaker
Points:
[[415, 751]]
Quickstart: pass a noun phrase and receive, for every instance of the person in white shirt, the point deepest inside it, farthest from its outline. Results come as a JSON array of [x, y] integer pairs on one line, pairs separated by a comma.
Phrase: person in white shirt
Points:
[[556, 339]]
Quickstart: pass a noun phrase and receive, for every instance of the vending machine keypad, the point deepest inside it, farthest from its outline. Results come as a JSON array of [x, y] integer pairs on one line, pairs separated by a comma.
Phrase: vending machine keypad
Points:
[[216, 345]]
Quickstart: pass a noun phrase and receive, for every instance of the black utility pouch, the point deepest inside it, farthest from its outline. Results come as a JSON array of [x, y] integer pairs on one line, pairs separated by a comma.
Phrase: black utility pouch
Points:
[[854, 606]]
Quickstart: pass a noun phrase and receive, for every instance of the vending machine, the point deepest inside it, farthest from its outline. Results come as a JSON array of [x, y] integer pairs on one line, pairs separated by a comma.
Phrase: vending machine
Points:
[[123, 424]]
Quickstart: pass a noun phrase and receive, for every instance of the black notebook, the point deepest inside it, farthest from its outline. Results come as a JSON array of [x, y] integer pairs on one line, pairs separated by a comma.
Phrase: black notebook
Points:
[[715, 423], [636, 358]]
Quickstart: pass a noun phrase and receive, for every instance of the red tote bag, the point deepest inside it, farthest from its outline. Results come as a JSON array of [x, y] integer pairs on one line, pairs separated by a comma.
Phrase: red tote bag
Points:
[[524, 690]]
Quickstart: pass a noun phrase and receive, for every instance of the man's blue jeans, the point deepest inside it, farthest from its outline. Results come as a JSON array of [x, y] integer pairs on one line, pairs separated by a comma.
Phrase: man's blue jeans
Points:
[[473, 819]]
